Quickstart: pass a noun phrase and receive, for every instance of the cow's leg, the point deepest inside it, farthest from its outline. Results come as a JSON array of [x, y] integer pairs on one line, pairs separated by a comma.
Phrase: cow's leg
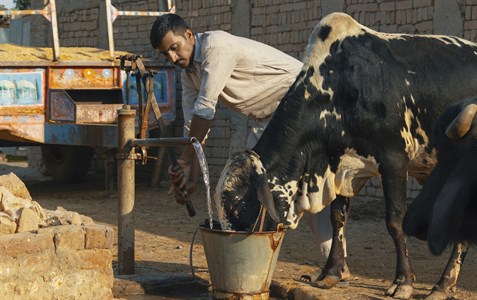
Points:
[[448, 282], [335, 268], [394, 186]]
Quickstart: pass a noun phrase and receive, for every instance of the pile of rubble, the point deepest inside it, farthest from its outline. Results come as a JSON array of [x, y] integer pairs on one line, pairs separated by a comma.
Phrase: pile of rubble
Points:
[[19, 213]]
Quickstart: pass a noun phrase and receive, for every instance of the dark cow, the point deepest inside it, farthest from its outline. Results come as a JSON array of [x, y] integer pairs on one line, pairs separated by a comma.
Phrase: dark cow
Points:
[[362, 106], [445, 211]]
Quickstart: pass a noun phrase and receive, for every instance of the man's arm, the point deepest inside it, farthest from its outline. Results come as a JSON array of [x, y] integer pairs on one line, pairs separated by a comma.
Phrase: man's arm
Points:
[[199, 127]]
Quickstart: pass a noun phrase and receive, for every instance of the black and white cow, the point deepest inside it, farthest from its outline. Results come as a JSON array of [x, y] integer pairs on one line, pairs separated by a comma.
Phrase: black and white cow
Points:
[[445, 211], [362, 106]]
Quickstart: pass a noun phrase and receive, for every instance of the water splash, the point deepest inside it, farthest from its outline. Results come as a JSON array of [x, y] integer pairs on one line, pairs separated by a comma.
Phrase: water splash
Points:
[[205, 174]]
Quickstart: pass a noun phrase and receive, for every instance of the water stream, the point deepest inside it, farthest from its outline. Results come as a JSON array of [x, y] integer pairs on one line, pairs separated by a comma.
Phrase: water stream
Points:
[[205, 173]]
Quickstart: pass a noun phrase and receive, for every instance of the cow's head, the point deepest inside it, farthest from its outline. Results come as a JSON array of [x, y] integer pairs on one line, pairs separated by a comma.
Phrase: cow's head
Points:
[[241, 190], [445, 210]]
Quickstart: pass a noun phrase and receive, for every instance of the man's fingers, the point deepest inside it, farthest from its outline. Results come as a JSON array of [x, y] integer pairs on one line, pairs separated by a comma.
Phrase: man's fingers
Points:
[[178, 181], [179, 190], [180, 195], [171, 190], [180, 199]]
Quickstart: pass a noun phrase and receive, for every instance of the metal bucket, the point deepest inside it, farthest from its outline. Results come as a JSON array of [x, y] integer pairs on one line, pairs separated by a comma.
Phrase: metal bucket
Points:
[[241, 264]]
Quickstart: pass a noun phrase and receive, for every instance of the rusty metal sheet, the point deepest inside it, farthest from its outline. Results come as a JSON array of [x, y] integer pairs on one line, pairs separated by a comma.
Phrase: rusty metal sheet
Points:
[[61, 108], [97, 113], [104, 135], [22, 128], [84, 78]]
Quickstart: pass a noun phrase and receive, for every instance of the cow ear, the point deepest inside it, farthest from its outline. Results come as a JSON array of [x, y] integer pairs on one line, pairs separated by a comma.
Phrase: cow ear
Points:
[[260, 182], [451, 205], [461, 124]]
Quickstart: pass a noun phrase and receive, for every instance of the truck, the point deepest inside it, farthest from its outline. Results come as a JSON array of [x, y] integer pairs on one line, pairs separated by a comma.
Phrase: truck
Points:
[[65, 100]]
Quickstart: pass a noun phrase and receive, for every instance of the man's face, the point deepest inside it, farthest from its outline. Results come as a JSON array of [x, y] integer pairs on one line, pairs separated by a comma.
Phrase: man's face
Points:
[[178, 49]]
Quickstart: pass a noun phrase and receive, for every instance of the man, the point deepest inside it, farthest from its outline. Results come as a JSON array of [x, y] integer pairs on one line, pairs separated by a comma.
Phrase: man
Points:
[[244, 75]]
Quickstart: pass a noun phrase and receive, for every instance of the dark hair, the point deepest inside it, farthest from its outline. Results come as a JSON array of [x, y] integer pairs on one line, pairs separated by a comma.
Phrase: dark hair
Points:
[[164, 24]]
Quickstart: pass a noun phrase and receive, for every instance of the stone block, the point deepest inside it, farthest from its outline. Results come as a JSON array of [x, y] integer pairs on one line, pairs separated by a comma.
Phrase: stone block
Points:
[[28, 220], [68, 237], [82, 284], [14, 184], [125, 287], [33, 265], [7, 225], [95, 259], [25, 243], [98, 237]]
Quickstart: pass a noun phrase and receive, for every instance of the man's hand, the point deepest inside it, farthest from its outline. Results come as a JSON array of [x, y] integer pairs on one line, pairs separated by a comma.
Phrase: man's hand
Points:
[[181, 186], [177, 174]]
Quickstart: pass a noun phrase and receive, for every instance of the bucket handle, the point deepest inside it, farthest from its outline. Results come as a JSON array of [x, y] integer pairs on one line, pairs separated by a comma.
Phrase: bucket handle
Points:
[[261, 216]]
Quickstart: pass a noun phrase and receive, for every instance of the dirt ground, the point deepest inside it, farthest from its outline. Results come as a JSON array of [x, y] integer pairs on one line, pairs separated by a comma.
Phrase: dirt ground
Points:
[[164, 233]]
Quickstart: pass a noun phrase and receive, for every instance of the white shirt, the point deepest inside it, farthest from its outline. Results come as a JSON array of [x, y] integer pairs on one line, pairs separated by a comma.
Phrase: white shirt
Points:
[[244, 75]]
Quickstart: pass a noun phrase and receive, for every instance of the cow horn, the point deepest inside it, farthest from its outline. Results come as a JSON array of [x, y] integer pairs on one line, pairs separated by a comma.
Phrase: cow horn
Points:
[[461, 124], [261, 184]]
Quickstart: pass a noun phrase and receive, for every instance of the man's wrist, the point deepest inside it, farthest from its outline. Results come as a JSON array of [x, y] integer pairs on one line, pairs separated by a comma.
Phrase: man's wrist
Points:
[[185, 161]]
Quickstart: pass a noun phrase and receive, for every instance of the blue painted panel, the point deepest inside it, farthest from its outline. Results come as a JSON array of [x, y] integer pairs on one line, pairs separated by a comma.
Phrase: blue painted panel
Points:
[[104, 135], [21, 88], [161, 89]]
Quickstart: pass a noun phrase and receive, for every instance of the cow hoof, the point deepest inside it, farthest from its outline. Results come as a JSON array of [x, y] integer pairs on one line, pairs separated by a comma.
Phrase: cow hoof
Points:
[[345, 274], [437, 295], [328, 282], [305, 278], [400, 291], [390, 291]]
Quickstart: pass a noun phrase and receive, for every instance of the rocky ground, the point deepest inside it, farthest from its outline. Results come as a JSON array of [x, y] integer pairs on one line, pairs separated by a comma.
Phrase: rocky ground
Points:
[[164, 233]]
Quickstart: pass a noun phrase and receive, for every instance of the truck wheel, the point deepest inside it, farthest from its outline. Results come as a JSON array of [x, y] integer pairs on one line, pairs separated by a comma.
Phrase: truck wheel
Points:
[[67, 163]]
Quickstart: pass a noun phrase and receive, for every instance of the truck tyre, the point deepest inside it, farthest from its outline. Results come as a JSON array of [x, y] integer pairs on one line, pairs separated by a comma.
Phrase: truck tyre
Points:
[[68, 164]]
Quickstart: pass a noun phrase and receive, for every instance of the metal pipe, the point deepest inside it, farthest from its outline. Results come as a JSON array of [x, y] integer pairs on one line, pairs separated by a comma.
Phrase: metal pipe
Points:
[[126, 131], [54, 31], [160, 142], [134, 13], [109, 23]]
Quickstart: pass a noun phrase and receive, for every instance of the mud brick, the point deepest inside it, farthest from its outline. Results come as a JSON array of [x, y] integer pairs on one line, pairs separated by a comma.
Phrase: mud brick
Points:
[[422, 3], [404, 5], [98, 237]]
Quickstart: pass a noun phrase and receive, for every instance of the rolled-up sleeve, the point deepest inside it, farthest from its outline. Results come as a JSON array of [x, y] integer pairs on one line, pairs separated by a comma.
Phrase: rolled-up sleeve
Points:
[[216, 68]]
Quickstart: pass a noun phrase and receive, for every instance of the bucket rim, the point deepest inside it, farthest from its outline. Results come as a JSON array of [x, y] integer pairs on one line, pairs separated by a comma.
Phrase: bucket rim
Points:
[[204, 227]]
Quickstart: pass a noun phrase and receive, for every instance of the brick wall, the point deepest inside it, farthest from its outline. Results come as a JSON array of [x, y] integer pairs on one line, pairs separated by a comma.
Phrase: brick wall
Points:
[[470, 17], [284, 24]]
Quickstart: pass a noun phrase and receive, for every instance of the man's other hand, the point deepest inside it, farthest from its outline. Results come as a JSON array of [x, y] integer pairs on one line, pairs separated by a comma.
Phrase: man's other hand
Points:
[[179, 177]]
